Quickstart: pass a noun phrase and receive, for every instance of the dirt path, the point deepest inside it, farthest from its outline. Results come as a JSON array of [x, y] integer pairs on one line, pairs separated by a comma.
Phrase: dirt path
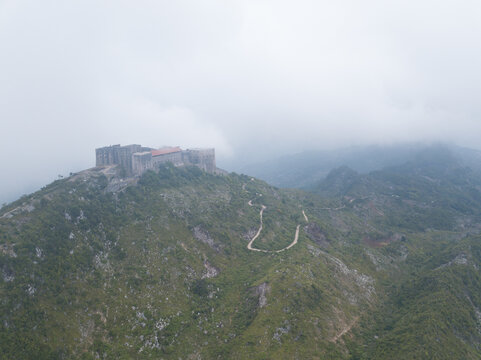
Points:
[[335, 209], [294, 242], [345, 330], [305, 216], [249, 245]]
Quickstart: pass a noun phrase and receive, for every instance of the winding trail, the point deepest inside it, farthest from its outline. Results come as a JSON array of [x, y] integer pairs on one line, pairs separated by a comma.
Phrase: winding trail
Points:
[[305, 216], [294, 242], [249, 245], [345, 330], [335, 209]]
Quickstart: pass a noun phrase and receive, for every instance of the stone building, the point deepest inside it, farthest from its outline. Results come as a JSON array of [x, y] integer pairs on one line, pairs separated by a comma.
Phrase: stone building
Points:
[[142, 161], [120, 155], [167, 154], [135, 159], [203, 158]]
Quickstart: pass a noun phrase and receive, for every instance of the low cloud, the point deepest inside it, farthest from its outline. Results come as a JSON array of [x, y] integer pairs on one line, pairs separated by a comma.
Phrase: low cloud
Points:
[[252, 78]]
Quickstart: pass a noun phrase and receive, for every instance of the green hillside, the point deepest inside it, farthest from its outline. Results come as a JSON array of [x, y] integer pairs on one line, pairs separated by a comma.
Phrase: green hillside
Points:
[[95, 266]]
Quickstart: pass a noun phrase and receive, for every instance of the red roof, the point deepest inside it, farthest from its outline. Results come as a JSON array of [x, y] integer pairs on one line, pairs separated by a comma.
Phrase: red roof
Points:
[[165, 151]]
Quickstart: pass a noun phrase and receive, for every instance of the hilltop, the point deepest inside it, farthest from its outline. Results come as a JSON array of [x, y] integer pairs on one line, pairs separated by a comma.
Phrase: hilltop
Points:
[[159, 266]]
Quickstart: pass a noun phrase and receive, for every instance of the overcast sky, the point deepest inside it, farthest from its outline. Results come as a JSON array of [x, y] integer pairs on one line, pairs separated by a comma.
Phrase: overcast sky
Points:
[[266, 76]]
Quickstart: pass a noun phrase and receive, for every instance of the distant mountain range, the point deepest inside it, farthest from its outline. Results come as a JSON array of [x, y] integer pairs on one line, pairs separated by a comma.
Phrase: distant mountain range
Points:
[[380, 260], [305, 169]]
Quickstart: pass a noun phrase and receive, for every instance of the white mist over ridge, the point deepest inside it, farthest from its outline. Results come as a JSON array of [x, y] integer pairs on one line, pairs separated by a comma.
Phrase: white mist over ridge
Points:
[[253, 79]]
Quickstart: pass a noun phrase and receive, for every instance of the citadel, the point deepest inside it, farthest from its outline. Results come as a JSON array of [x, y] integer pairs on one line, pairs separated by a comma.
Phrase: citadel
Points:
[[136, 159]]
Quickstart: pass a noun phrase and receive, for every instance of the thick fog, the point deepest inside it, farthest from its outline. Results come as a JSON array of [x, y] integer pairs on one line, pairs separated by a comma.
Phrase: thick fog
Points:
[[251, 78]]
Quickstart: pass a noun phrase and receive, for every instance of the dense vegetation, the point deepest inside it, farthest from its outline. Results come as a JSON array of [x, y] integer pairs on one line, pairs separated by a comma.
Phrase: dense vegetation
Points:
[[305, 169], [387, 266]]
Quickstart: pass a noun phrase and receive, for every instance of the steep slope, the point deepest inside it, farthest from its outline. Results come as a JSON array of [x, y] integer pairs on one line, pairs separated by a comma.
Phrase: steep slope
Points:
[[162, 269], [423, 221], [377, 266], [432, 310], [433, 191]]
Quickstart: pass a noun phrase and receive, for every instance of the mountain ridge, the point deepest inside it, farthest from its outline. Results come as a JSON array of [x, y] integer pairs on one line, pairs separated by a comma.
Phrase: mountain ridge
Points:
[[96, 267], [303, 170]]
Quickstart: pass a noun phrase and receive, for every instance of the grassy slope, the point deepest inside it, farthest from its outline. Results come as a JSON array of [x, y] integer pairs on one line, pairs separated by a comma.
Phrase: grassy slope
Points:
[[123, 275]]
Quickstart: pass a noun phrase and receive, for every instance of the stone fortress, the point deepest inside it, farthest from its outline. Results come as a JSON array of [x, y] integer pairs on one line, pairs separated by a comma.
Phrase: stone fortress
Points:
[[136, 159]]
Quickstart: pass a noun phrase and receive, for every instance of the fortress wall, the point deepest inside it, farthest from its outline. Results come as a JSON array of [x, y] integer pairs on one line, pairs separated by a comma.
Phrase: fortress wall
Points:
[[136, 159], [142, 162], [116, 154], [203, 158], [175, 158], [106, 155], [125, 156], [133, 148]]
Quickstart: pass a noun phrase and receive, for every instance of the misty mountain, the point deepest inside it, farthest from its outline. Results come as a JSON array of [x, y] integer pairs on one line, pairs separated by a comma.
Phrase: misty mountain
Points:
[[433, 190], [352, 252], [427, 170], [305, 169], [365, 266]]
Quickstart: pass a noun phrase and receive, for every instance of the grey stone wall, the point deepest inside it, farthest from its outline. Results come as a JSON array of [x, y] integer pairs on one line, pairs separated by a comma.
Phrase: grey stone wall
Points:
[[202, 158], [116, 154], [135, 159], [174, 158], [142, 162], [125, 156], [106, 155]]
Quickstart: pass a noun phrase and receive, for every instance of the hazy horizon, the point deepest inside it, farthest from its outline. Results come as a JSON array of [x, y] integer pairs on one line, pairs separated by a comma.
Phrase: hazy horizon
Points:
[[254, 79]]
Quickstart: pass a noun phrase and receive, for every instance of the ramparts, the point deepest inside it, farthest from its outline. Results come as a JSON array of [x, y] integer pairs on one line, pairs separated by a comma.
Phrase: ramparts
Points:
[[135, 159]]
